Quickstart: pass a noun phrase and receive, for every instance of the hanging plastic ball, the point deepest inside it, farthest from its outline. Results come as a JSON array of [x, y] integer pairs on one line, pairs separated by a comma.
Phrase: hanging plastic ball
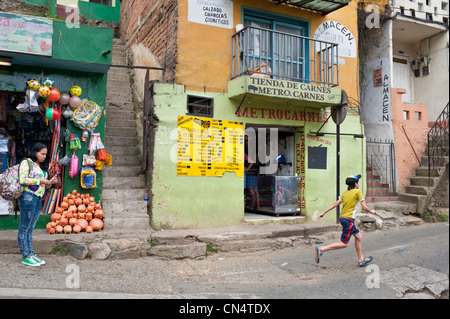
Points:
[[74, 102], [28, 82], [53, 96], [34, 85], [64, 98], [44, 91], [52, 114], [48, 82], [75, 90]]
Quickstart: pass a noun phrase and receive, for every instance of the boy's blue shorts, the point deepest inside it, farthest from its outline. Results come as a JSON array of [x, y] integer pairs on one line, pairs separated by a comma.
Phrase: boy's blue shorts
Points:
[[348, 229]]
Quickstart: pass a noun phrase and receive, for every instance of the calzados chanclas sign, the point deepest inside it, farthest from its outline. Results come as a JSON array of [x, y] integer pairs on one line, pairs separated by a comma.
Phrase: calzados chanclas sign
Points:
[[297, 92]]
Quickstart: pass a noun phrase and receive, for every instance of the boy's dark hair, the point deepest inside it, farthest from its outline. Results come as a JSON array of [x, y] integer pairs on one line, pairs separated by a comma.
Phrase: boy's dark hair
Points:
[[35, 149], [351, 186]]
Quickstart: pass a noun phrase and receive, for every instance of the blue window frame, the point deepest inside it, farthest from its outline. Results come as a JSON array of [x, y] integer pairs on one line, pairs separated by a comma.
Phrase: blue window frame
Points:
[[279, 42]]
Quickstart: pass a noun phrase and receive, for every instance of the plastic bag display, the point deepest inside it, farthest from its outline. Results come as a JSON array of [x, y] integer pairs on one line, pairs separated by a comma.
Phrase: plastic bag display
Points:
[[87, 115], [88, 178], [89, 160], [95, 143]]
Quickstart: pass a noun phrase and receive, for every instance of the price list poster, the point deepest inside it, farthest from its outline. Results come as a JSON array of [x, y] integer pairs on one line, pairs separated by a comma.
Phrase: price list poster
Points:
[[209, 147]]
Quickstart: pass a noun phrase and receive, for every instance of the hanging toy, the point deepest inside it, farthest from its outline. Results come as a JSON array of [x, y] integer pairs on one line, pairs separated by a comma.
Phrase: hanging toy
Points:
[[52, 114], [75, 90], [28, 82], [87, 115], [74, 102], [64, 98], [74, 142], [44, 91], [48, 82], [53, 96], [34, 85], [88, 178], [73, 166]]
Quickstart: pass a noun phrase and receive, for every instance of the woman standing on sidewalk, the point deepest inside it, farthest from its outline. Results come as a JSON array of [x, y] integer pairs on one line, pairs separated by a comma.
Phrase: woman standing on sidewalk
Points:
[[35, 182], [351, 200]]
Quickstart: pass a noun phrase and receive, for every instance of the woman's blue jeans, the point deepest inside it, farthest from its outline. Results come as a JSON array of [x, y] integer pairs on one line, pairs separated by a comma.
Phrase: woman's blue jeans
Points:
[[30, 208]]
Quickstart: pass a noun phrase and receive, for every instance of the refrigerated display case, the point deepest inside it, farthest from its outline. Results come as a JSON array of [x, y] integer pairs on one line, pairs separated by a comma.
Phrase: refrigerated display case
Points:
[[278, 195]]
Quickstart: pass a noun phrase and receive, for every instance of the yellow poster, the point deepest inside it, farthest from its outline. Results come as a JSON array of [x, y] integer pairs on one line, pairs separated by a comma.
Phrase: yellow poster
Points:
[[209, 147]]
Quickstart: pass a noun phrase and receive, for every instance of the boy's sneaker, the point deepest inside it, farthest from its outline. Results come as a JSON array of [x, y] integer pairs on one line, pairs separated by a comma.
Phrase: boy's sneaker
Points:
[[30, 262], [39, 261], [318, 254]]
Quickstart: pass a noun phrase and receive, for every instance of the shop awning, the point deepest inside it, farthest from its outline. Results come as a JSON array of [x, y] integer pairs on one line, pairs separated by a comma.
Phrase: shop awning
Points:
[[283, 92], [322, 6]]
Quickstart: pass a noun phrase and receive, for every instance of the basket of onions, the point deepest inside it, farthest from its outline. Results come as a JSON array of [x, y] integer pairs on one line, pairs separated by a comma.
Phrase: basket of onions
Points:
[[77, 213]]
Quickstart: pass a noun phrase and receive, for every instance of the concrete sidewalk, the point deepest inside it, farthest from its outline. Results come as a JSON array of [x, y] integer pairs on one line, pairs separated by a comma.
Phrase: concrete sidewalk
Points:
[[178, 244]]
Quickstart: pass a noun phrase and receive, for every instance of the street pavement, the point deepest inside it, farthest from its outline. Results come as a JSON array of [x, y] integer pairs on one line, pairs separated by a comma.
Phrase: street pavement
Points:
[[411, 262]]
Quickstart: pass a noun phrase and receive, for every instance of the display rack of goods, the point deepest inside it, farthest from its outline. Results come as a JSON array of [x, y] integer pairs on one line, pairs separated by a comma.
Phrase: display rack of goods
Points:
[[77, 213]]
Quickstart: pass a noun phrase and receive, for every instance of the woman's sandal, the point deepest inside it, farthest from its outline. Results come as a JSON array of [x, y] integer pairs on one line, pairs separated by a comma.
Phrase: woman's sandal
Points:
[[365, 261]]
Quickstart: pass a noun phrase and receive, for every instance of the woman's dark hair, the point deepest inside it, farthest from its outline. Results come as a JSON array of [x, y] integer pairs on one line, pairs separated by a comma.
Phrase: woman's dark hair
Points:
[[35, 149]]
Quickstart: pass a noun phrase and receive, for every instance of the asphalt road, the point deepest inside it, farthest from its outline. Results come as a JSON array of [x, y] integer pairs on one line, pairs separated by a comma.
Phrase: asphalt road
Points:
[[417, 253]]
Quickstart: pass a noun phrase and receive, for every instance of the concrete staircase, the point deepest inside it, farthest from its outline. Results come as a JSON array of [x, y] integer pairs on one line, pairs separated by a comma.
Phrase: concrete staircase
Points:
[[124, 184], [421, 188]]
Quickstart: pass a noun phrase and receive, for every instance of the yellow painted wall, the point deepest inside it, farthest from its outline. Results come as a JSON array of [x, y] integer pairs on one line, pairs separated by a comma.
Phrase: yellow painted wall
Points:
[[205, 52]]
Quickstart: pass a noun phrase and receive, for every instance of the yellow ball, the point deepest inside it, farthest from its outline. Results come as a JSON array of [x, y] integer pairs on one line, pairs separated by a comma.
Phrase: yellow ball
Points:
[[75, 90], [34, 85], [44, 91]]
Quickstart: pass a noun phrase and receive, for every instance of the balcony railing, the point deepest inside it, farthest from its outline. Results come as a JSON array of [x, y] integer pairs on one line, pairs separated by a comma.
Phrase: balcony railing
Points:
[[279, 55]]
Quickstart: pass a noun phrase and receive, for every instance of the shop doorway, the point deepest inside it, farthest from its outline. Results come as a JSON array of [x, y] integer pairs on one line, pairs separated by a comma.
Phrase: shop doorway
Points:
[[19, 131], [271, 191]]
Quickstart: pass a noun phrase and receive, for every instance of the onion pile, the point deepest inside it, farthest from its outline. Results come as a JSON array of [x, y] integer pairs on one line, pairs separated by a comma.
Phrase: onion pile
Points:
[[77, 213]]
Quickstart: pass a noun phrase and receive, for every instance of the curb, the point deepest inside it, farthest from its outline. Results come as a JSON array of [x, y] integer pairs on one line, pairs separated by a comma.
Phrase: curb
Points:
[[174, 244]]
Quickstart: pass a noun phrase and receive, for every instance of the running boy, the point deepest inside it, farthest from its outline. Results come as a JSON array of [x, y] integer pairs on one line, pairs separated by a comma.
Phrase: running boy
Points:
[[351, 200]]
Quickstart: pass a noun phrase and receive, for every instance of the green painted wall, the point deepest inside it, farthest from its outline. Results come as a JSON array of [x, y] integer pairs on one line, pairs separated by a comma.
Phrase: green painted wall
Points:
[[188, 201], [84, 44]]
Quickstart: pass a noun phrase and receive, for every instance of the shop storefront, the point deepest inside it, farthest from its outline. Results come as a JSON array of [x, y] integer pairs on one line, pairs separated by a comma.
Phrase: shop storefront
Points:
[[205, 142], [53, 91]]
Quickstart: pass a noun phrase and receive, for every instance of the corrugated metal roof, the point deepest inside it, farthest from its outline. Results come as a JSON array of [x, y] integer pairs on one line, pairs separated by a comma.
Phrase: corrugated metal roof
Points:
[[322, 6]]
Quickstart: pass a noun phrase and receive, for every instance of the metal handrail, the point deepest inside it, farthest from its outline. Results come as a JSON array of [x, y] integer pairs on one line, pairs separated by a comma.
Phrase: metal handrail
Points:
[[281, 55], [438, 140]]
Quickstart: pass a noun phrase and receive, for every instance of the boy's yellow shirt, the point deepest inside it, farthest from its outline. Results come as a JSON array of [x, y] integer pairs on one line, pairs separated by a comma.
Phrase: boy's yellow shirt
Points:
[[351, 200]]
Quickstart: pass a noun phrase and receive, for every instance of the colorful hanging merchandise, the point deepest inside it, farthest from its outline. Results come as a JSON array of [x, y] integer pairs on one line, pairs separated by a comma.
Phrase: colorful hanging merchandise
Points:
[[103, 159], [87, 116], [95, 143], [88, 178]]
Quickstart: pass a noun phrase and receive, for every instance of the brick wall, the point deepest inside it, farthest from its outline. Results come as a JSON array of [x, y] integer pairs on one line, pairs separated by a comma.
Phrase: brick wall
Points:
[[152, 23]]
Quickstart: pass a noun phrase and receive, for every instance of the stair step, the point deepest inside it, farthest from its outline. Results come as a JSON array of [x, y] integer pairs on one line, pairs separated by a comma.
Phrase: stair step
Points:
[[120, 123], [126, 194], [131, 223], [123, 160], [123, 171], [423, 181], [119, 141], [122, 132], [113, 105], [124, 150], [126, 209], [416, 190], [120, 182]]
